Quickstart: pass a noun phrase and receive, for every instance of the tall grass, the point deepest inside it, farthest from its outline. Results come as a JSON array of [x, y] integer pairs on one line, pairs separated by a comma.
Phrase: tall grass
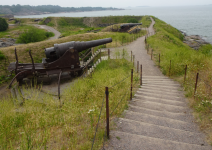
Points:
[[33, 34], [40, 123], [168, 42]]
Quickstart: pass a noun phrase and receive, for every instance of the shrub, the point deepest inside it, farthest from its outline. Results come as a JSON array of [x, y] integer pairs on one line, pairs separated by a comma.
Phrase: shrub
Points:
[[132, 20], [1, 56], [33, 34], [3, 24], [49, 34]]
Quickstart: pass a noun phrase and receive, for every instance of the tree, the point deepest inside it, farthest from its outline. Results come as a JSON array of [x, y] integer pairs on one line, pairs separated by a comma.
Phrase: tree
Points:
[[3, 24]]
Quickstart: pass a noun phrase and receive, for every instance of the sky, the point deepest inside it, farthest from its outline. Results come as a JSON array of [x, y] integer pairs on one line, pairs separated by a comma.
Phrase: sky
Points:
[[108, 3]]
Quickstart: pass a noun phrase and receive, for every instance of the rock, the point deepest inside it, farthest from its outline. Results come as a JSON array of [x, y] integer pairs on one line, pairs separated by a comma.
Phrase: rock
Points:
[[5, 42], [194, 41]]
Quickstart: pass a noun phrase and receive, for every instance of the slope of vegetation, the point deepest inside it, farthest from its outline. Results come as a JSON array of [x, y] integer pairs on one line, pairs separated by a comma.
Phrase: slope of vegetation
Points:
[[168, 42], [33, 34], [16, 31], [65, 24], [40, 123], [79, 25]]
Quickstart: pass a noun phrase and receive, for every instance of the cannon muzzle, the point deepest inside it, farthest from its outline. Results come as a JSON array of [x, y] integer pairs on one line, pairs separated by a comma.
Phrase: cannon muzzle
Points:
[[59, 49]]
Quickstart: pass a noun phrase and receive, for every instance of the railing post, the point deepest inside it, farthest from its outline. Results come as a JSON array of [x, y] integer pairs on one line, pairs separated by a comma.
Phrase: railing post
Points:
[[137, 66], [100, 55], [151, 54], [108, 53], [131, 84], [195, 89], [185, 73], [133, 60], [122, 41], [141, 76], [159, 60], [107, 111], [131, 56], [170, 68]]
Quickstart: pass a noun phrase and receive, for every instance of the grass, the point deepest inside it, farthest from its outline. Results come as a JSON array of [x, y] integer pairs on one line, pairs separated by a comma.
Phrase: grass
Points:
[[33, 34], [40, 123], [168, 41], [16, 31], [37, 48], [146, 21], [79, 25]]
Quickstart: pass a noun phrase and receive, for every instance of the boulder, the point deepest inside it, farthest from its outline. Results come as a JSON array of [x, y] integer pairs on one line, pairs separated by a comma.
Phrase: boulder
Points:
[[5, 42], [194, 41]]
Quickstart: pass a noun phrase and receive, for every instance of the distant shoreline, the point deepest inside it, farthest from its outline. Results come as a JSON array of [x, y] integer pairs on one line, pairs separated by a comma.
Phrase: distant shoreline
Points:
[[16, 16]]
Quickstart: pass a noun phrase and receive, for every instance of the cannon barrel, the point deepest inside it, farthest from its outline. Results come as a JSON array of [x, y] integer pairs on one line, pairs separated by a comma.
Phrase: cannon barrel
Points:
[[59, 49], [130, 25]]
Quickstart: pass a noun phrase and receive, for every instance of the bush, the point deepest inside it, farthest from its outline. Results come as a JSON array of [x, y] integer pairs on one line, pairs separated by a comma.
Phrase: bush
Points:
[[2, 56], [3, 24], [132, 20], [33, 34], [49, 34]]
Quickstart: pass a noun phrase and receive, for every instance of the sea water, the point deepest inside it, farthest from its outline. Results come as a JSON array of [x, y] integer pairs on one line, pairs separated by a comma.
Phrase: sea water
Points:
[[194, 20]]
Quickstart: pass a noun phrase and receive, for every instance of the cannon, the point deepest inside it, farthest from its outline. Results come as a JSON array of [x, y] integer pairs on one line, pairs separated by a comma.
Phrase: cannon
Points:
[[129, 25], [62, 57], [126, 27]]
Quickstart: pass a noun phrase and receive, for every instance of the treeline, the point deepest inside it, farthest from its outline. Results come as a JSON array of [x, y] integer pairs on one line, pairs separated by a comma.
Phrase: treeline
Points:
[[21, 9]]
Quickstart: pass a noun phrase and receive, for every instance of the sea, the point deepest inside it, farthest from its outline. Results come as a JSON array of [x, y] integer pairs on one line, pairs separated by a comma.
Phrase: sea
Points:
[[193, 20]]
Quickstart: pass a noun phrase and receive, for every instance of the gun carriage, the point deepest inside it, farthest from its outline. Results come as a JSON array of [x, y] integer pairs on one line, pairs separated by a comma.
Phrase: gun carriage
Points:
[[62, 57]]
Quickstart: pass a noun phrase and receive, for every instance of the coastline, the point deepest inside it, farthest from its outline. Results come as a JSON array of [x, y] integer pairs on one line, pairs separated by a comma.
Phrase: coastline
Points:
[[194, 41], [16, 16]]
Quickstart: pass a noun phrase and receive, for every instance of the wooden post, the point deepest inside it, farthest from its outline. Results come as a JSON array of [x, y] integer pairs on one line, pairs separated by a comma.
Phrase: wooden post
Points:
[[131, 84], [185, 73], [107, 111], [100, 55], [141, 76], [170, 68], [122, 41], [108, 53], [159, 60], [195, 88], [137, 66], [133, 60], [151, 54]]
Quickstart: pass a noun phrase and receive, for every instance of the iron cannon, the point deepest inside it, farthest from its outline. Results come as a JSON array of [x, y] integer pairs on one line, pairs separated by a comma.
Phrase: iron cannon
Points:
[[62, 57], [53, 53], [129, 25]]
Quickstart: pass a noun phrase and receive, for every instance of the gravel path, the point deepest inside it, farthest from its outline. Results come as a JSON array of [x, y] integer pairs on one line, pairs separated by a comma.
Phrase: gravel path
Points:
[[158, 117], [138, 49], [50, 29]]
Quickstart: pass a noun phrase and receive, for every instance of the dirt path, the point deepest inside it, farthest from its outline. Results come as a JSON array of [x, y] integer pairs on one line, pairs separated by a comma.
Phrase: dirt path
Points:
[[50, 29], [158, 117], [138, 49]]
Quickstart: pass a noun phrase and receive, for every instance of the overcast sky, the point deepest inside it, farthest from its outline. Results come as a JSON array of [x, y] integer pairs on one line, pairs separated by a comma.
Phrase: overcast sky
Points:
[[107, 3]]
